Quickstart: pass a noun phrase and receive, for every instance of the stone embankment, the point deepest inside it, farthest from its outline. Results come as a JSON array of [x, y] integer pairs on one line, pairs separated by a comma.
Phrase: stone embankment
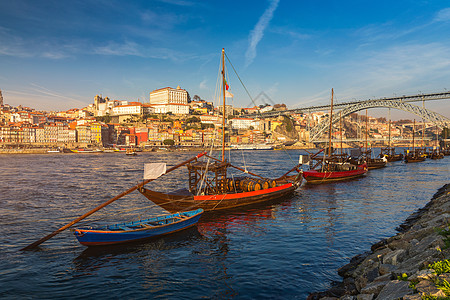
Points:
[[399, 267]]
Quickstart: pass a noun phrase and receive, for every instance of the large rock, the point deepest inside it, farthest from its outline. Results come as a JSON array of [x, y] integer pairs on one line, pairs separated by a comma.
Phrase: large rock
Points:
[[431, 241], [374, 287], [386, 269], [395, 289], [422, 275], [428, 288], [394, 257], [365, 297]]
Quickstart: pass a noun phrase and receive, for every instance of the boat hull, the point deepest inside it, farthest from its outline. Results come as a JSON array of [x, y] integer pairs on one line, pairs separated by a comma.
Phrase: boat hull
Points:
[[376, 164], [125, 232], [413, 159], [314, 176], [179, 202]]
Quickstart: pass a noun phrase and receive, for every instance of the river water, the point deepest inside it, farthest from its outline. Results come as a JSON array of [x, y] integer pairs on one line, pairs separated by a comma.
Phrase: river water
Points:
[[280, 250]]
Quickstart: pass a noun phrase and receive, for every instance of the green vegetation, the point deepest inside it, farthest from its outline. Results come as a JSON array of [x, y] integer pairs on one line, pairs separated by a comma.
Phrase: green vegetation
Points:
[[104, 119], [440, 267], [429, 297], [169, 142], [404, 277], [288, 124], [444, 286], [205, 125], [193, 120]]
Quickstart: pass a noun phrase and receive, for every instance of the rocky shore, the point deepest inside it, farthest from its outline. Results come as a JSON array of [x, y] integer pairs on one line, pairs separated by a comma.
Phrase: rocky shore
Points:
[[410, 265]]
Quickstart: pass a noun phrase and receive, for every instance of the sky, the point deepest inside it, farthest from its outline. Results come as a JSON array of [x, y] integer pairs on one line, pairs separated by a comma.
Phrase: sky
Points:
[[57, 55]]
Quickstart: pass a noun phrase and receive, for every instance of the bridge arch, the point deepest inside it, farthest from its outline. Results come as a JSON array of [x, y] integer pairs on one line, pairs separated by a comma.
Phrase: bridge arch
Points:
[[421, 112]]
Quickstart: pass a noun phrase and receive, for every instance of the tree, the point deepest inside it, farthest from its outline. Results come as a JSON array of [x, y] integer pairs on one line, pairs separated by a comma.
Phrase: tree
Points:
[[193, 120], [169, 142], [196, 98]]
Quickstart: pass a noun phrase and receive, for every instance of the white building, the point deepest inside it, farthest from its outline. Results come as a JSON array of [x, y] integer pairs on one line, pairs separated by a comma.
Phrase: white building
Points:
[[177, 109], [244, 123], [131, 109], [170, 100]]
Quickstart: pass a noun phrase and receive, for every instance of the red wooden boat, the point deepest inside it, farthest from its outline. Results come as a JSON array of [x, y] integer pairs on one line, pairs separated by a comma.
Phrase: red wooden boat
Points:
[[184, 200], [416, 155], [333, 167], [336, 172], [212, 188]]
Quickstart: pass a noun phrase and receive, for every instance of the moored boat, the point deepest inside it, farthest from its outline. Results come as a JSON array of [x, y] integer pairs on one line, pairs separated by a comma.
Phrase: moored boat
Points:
[[137, 230], [335, 172], [390, 155], [415, 155], [131, 151], [332, 167], [212, 187]]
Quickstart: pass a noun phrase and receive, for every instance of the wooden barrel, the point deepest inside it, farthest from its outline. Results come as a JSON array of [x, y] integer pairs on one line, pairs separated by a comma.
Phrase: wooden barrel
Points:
[[231, 184], [264, 183], [247, 185], [272, 183], [257, 186], [242, 183]]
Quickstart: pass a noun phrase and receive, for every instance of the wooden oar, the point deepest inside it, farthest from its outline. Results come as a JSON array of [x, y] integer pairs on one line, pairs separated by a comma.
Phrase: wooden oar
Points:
[[37, 243]]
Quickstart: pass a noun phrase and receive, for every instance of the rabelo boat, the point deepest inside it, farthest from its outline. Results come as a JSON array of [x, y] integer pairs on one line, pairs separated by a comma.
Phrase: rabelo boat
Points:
[[331, 167], [211, 186]]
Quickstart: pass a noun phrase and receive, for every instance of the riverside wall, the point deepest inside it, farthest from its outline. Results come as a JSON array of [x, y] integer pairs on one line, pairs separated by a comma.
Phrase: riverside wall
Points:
[[399, 267]]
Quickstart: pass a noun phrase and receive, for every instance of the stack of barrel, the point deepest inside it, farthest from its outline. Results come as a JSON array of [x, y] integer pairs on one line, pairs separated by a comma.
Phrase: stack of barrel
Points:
[[247, 184]]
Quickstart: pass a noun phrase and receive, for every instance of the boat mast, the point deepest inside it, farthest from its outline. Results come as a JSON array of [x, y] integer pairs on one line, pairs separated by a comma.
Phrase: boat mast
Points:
[[340, 127], [414, 128], [223, 110], [389, 140], [423, 126], [367, 132], [331, 123]]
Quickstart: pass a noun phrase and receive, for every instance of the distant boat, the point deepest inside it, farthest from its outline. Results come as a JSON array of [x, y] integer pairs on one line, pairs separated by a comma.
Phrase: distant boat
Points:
[[372, 163], [389, 152], [54, 151], [84, 150], [252, 147], [131, 152], [332, 167], [137, 230], [414, 156]]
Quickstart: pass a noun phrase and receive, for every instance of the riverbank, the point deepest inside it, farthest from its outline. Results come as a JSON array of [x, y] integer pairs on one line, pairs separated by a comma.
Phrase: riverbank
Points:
[[400, 267]]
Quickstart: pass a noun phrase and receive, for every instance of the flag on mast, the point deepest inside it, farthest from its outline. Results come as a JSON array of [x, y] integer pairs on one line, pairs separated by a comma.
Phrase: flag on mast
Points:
[[226, 85], [228, 94]]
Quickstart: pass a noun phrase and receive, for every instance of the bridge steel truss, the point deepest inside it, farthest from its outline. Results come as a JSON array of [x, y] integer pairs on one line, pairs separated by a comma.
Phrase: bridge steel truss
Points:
[[402, 103], [423, 113]]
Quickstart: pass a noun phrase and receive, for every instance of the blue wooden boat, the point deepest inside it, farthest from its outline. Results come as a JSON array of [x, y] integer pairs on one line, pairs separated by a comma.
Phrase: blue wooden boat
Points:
[[137, 230]]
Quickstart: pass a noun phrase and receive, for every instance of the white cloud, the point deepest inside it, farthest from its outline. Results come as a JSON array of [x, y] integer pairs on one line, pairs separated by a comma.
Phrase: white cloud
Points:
[[128, 48], [258, 32], [443, 15], [203, 85]]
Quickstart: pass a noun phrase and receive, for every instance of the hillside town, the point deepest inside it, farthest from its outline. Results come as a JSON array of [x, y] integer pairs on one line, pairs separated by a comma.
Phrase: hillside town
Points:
[[172, 119]]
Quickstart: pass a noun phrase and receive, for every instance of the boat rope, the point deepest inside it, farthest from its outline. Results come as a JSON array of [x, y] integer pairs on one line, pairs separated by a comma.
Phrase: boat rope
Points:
[[205, 173], [219, 202], [243, 160], [245, 88]]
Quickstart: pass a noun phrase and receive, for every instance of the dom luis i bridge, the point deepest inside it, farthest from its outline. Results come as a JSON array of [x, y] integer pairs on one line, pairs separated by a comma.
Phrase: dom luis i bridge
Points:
[[346, 108]]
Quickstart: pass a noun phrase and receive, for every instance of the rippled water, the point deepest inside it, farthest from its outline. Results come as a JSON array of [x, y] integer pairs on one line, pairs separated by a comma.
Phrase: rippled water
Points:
[[278, 250]]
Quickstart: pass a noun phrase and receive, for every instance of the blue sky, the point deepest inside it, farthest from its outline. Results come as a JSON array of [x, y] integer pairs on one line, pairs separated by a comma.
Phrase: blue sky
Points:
[[56, 55]]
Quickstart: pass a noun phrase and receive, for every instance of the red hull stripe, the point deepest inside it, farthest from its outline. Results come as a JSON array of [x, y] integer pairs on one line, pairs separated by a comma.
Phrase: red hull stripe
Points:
[[243, 195]]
